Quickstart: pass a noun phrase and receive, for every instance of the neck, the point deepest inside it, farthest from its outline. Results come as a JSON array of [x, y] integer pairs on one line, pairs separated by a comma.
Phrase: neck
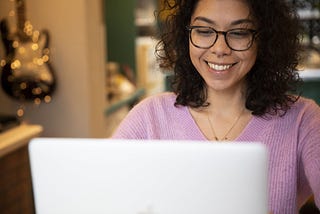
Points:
[[223, 102], [225, 117]]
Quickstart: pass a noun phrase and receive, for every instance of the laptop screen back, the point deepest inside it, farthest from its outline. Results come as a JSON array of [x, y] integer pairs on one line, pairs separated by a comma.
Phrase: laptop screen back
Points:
[[147, 177]]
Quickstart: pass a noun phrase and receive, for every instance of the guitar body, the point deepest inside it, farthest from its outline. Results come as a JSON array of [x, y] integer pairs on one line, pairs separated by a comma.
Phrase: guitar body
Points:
[[27, 74]]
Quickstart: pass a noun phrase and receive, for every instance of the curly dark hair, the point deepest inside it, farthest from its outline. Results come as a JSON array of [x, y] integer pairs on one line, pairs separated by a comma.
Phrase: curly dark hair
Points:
[[273, 78]]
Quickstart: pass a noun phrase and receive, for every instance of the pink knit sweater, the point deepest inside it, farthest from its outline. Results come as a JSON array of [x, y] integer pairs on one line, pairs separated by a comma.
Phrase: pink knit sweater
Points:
[[293, 142]]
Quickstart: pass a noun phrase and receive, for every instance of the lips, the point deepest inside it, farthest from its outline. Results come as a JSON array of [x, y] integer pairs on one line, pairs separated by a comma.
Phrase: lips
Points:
[[220, 67]]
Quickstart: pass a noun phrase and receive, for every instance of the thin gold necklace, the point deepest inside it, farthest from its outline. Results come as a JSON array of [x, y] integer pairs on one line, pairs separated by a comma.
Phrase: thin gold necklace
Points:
[[225, 137]]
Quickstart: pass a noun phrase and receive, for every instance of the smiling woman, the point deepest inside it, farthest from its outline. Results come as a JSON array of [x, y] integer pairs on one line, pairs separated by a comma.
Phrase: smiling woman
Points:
[[234, 65], [224, 62]]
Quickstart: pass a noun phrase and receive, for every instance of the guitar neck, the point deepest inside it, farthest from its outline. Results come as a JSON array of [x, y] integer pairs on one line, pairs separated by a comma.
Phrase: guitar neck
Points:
[[21, 15]]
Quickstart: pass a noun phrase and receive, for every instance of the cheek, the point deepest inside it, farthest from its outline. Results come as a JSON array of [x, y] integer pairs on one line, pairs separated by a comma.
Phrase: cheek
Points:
[[254, 53], [191, 51], [253, 58], [249, 58], [192, 55], [195, 54]]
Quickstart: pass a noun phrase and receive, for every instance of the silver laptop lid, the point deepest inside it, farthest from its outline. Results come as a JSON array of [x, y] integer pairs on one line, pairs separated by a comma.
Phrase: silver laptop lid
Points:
[[148, 177]]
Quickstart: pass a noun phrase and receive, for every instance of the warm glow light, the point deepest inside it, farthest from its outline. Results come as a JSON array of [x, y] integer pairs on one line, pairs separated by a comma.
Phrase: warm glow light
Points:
[[36, 33], [45, 58], [15, 44], [37, 101], [47, 99], [36, 91], [15, 64], [20, 112], [45, 77], [3, 63], [22, 50], [38, 61], [35, 46], [46, 51], [23, 85], [28, 28], [35, 36]]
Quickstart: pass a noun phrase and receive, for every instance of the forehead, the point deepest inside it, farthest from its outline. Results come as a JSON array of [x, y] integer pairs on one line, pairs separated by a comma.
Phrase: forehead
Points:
[[221, 12]]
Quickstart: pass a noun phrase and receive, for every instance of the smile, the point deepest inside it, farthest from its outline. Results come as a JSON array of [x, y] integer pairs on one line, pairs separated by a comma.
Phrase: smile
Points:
[[219, 67]]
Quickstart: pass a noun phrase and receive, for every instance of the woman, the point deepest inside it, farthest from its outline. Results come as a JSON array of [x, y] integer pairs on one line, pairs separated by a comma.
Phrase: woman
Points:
[[234, 65]]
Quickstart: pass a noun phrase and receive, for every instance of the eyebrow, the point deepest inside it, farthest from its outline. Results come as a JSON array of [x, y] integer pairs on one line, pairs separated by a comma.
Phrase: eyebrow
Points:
[[236, 22]]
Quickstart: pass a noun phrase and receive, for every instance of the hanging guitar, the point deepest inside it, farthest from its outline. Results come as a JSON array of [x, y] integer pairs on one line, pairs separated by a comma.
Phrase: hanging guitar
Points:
[[27, 74]]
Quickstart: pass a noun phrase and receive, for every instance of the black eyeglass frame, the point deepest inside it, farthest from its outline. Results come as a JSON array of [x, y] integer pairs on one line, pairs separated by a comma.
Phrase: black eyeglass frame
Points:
[[224, 33]]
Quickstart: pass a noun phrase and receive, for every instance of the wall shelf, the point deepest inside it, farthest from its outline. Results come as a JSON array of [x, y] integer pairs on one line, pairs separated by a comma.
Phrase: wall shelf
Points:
[[127, 101], [310, 74]]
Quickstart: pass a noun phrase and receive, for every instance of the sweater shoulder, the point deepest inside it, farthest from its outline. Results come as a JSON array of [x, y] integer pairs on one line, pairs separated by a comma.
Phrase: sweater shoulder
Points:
[[305, 106], [156, 102], [162, 98]]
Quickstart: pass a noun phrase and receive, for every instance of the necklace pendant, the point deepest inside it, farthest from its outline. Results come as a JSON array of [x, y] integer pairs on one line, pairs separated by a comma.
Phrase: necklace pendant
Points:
[[225, 138]]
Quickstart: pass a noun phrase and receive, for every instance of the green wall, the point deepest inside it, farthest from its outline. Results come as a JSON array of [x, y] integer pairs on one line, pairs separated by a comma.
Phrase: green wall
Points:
[[121, 31], [311, 89]]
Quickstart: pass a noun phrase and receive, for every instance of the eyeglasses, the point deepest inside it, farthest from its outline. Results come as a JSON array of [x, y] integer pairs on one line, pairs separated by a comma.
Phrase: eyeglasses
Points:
[[238, 39]]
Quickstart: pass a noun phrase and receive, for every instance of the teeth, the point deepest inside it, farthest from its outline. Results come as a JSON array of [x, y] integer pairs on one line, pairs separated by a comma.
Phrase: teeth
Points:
[[219, 67]]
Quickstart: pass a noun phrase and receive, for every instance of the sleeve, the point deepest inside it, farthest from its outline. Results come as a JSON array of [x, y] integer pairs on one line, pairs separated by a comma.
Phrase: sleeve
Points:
[[310, 137]]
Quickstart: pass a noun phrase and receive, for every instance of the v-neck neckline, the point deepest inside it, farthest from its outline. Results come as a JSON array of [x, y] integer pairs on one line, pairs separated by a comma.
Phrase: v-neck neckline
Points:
[[240, 137]]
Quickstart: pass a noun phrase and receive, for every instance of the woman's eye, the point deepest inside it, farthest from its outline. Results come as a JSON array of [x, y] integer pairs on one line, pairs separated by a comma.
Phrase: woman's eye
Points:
[[204, 32], [239, 33]]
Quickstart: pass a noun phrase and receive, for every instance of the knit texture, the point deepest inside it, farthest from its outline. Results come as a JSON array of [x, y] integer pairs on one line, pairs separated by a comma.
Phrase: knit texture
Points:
[[293, 141]]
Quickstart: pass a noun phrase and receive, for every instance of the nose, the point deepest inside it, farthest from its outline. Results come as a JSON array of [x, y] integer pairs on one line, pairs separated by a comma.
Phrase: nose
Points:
[[220, 47]]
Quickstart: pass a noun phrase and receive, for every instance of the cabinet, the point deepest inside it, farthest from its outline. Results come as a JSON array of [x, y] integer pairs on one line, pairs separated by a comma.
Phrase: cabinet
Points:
[[16, 194]]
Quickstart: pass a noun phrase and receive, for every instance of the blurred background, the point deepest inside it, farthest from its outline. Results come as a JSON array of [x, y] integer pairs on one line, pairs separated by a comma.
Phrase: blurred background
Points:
[[76, 67], [102, 61]]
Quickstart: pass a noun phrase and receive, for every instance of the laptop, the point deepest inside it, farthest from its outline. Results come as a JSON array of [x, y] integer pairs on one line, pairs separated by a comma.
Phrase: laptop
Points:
[[108, 176]]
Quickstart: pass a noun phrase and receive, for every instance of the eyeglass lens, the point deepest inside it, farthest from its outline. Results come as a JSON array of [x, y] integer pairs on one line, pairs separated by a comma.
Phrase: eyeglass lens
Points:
[[236, 39]]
